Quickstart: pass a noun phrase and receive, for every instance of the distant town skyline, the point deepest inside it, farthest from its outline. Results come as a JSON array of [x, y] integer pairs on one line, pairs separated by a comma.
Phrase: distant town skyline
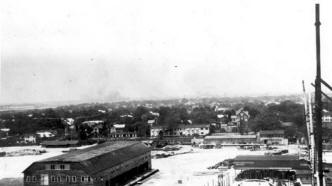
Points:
[[107, 50]]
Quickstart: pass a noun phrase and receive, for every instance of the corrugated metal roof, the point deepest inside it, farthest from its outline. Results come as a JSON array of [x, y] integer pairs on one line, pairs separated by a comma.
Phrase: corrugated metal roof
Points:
[[88, 153], [101, 157], [65, 142], [289, 162], [266, 157], [231, 137]]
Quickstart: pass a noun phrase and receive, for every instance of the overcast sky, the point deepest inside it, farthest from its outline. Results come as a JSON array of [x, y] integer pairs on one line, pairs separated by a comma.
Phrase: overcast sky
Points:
[[101, 50]]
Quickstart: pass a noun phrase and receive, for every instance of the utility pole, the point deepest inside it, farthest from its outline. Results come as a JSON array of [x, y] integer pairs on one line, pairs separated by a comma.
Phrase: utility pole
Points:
[[310, 130], [312, 142], [318, 101]]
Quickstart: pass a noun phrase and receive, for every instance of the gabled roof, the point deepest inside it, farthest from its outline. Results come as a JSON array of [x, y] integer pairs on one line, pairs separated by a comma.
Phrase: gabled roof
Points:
[[100, 157], [243, 111]]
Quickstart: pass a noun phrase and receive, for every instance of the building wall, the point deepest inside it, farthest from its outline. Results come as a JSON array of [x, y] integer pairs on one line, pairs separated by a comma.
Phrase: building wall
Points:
[[202, 131], [154, 132], [123, 167], [123, 135], [75, 170], [274, 140], [29, 139], [230, 141], [327, 118]]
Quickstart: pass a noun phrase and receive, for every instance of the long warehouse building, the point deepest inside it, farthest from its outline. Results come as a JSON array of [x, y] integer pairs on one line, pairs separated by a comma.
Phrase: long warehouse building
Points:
[[107, 164]]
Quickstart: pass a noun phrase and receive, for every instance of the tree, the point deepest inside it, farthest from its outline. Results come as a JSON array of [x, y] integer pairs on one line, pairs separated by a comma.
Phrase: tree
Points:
[[203, 115], [265, 121]]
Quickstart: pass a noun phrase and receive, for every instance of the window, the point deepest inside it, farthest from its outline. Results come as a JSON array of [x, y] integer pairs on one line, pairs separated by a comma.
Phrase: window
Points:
[[86, 179], [62, 167], [52, 178], [34, 179], [52, 167], [67, 178], [58, 178], [73, 178], [27, 179]]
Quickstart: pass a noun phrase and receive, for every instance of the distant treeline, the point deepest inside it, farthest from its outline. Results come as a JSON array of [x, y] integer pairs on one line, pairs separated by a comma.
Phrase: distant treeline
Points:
[[262, 117]]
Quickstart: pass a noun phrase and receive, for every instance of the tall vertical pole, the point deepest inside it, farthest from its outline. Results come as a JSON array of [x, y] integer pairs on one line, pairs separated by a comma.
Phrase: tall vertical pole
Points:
[[318, 101], [312, 142], [306, 114]]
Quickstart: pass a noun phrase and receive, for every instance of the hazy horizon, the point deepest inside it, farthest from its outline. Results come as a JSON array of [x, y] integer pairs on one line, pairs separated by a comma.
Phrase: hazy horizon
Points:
[[55, 51]]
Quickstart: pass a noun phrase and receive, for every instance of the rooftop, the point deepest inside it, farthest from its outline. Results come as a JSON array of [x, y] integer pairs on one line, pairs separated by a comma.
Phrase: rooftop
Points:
[[266, 158], [58, 142], [194, 126], [100, 157], [237, 136], [277, 162], [88, 153]]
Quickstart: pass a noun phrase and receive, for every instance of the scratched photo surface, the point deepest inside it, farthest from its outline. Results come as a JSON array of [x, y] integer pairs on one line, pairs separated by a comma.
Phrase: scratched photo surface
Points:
[[152, 92]]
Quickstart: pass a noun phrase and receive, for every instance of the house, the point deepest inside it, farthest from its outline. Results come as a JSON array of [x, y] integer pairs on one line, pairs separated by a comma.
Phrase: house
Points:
[[190, 130], [242, 115], [96, 126], [272, 137], [45, 134], [70, 128], [29, 138], [117, 128], [155, 130], [228, 127], [110, 163]]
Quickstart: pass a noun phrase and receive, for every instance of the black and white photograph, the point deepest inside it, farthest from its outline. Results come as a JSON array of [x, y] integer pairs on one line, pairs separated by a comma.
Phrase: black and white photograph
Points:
[[165, 93]]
